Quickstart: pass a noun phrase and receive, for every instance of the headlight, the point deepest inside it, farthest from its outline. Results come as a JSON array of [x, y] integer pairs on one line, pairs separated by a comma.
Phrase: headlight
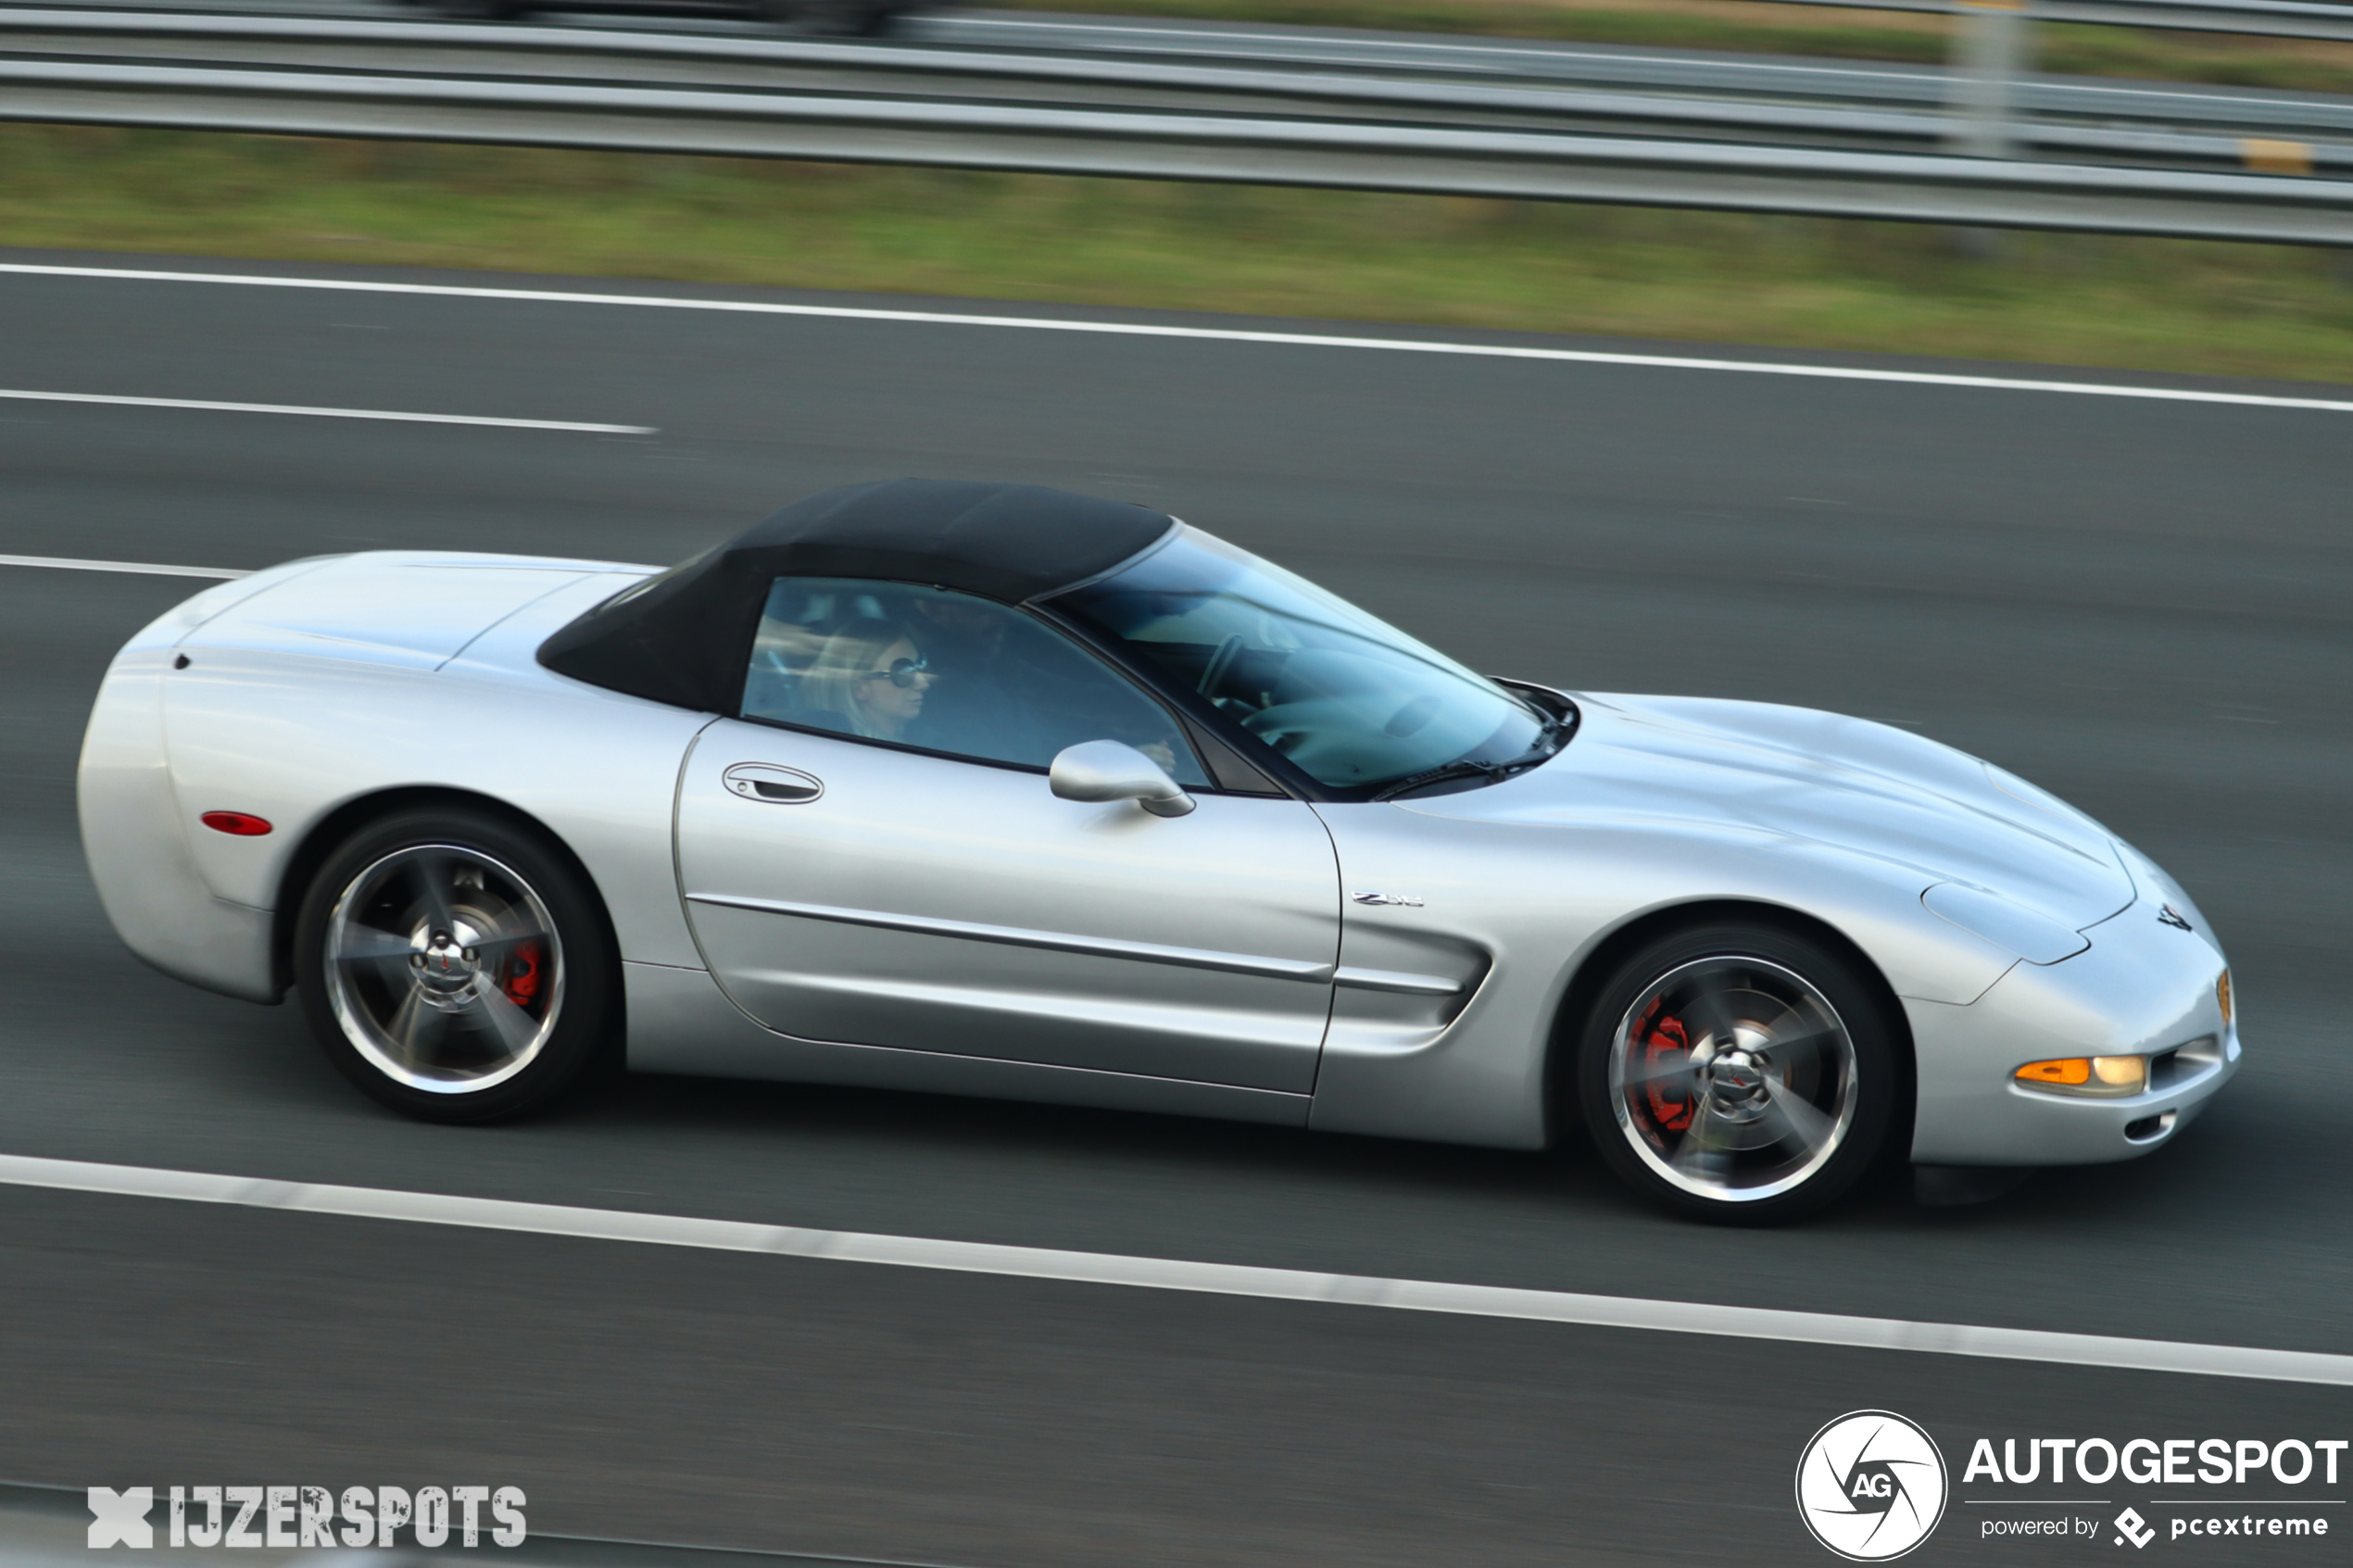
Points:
[[2105, 1077]]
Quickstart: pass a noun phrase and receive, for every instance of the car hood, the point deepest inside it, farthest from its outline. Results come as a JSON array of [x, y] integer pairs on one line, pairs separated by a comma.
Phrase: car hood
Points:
[[1654, 763], [384, 607]]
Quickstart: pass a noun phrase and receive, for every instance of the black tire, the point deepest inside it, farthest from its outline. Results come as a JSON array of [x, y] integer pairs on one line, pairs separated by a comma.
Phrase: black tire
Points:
[[482, 1001], [873, 21], [831, 18], [1740, 1073], [480, 11]]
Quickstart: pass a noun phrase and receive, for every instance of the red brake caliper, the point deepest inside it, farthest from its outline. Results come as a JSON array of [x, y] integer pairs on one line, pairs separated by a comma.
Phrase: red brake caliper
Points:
[[522, 983], [1670, 1107]]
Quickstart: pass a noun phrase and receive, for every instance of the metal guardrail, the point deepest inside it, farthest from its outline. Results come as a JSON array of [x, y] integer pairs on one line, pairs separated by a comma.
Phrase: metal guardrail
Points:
[[1867, 109], [743, 95], [1990, 85], [1140, 144], [2269, 18], [2265, 18], [2262, 19]]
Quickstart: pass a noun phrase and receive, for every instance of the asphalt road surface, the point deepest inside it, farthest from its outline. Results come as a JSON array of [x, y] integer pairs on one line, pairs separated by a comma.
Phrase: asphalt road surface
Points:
[[2141, 605]]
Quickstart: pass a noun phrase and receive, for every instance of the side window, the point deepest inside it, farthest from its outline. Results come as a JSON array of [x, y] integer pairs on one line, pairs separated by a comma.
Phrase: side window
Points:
[[944, 671]]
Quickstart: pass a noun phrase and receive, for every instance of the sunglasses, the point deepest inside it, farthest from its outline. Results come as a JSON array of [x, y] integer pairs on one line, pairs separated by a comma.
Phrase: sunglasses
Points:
[[902, 673]]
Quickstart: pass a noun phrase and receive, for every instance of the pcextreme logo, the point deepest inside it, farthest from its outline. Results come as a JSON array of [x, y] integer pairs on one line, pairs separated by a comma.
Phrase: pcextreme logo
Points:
[[1871, 1485]]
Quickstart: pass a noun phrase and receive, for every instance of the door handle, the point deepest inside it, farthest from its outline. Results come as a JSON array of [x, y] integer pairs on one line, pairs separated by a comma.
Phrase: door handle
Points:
[[766, 781]]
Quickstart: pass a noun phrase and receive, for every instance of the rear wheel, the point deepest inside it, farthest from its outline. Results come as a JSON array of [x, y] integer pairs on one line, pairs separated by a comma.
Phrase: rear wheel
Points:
[[1737, 1074], [832, 19], [481, 10], [454, 967]]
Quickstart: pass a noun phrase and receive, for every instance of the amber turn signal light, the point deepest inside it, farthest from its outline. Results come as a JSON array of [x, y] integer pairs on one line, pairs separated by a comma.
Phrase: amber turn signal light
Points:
[[2223, 994], [2087, 1075]]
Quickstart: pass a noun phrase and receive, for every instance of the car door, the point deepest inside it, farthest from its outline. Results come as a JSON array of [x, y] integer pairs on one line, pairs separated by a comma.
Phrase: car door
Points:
[[870, 889]]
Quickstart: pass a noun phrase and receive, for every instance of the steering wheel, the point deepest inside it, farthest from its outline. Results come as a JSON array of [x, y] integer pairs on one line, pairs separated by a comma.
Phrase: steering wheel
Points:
[[1323, 736], [1219, 662], [1414, 716]]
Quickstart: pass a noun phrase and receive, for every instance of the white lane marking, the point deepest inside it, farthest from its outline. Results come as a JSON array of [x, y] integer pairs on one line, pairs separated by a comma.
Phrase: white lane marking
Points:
[[1170, 1274], [326, 413], [150, 569], [1217, 335]]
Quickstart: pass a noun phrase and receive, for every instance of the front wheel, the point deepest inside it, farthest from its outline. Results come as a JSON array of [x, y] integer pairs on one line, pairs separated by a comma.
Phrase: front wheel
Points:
[[1739, 1074], [456, 967]]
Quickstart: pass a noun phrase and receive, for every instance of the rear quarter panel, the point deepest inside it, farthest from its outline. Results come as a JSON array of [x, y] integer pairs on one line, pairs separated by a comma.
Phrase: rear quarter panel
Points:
[[294, 737], [133, 832]]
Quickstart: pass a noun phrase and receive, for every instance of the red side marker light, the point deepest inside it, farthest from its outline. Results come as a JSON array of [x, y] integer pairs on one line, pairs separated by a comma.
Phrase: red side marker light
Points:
[[244, 824]]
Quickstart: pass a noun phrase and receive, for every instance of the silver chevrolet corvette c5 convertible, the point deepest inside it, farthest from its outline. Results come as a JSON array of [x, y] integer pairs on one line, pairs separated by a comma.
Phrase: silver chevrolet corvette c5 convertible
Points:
[[994, 790]]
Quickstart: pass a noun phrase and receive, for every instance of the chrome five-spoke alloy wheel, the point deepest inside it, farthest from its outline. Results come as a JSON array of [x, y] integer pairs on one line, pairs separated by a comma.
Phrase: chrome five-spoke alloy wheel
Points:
[[1733, 1078], [1743, 1072], [443, 969]]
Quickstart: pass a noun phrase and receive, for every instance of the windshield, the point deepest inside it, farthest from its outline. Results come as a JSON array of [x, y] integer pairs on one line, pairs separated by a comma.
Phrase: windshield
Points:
[[1349, 700]]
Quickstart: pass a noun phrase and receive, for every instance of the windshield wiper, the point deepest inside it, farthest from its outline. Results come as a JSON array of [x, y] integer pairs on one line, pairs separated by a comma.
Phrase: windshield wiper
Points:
[[1461, 767], [1549, 741]]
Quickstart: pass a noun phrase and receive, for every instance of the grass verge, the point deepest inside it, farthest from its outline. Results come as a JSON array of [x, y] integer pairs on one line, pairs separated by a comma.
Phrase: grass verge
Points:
[[2299, 65], [2161, 305]]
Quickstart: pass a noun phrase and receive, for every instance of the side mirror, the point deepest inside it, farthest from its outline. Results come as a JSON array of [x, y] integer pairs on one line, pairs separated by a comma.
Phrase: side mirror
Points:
[[1107, 770]]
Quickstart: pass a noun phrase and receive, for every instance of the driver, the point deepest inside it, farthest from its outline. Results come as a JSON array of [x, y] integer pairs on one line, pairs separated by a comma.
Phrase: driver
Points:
[[869, 677]]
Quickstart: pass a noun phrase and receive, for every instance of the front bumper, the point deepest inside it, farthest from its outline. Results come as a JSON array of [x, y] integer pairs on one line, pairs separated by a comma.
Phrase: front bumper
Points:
[[2144, 987]]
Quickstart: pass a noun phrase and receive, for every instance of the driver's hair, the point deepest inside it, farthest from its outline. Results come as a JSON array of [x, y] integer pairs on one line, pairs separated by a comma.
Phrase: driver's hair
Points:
[[837, 677]]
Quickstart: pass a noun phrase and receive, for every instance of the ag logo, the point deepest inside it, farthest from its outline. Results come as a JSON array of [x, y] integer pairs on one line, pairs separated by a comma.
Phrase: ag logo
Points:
[[1870, 1486]]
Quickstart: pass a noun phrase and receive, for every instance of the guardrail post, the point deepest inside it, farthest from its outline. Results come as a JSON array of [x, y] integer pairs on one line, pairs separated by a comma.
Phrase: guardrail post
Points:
[[1989, 53]]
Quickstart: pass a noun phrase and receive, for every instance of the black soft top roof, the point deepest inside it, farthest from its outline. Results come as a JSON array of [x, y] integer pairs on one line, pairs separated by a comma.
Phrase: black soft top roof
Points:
[[684, 637]]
